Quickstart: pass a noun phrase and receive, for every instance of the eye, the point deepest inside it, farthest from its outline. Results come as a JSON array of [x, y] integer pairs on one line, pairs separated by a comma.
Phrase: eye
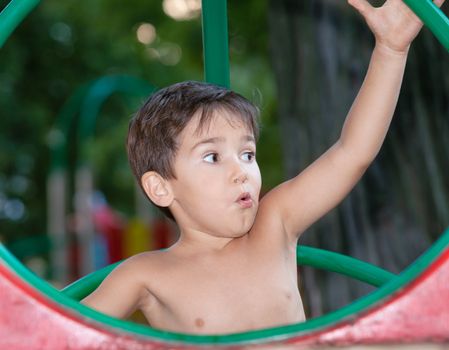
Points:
[[248, 156], [211, 158]]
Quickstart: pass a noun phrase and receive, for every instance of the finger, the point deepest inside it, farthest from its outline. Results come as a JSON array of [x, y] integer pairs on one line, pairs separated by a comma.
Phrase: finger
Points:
[[363, 6], [438, 2]]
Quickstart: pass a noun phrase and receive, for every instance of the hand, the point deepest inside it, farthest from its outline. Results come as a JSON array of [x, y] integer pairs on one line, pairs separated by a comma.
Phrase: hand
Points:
[[393, 24]]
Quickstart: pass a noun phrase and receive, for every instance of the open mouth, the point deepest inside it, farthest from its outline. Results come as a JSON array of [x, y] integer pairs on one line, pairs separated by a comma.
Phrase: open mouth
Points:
[[245, 200]]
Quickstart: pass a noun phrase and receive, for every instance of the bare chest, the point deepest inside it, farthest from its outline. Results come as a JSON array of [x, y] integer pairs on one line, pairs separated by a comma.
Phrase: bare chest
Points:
[[208, 298]]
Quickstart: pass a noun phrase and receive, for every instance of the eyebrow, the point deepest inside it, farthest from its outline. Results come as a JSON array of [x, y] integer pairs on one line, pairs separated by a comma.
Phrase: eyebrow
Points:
[[246, 138]]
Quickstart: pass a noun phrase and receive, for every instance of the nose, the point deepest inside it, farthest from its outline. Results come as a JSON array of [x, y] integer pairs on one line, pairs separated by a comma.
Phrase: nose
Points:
[[238, 171], [240, 177]]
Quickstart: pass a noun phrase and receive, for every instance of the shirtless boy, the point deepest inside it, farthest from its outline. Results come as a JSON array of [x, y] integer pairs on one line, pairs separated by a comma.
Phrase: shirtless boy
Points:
[[192, 147]]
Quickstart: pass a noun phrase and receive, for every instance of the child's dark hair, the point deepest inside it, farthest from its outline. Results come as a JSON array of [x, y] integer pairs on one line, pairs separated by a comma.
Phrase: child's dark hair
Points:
[[154, 130]]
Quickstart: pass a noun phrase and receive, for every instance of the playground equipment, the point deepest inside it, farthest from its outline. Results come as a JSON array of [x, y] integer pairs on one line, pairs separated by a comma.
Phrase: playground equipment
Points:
[[410, 308], [37, 316], [85, 103]]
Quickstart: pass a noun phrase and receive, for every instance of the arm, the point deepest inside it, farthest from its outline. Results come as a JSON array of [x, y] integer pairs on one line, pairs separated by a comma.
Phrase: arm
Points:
[[121, 293], [297, 203]]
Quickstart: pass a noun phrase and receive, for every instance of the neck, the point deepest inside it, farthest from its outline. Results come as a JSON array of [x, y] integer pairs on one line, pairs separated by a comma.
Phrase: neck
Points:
[[198, 242]]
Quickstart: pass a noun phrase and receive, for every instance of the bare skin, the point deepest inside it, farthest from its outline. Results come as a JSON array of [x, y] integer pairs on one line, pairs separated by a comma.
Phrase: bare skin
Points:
[[234, 266]]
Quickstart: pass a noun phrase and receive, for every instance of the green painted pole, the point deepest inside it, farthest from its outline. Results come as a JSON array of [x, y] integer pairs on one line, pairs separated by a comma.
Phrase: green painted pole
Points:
[[97, 94], [12, 15], [433, 18], [215, 42], [65, 121], [344, 265]]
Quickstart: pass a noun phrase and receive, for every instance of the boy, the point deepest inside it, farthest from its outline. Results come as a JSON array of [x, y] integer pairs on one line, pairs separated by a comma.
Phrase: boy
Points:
[[192, 147]]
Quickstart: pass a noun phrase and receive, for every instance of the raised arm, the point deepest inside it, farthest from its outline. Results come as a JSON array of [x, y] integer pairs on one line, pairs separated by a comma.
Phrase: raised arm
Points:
[[299, 202]]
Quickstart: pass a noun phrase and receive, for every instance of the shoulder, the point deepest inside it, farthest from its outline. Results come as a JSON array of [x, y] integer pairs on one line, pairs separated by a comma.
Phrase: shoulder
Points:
[[128, 287], [135, 271], [142, 264], [139, 276]]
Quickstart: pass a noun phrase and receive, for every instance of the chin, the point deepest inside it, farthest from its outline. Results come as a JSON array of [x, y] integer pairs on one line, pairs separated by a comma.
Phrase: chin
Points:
[[240, 234], [246, 228], [235, 232]]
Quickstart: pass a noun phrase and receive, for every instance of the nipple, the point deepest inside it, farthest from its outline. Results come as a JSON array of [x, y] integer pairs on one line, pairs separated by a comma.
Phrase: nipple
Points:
[[199, 322]]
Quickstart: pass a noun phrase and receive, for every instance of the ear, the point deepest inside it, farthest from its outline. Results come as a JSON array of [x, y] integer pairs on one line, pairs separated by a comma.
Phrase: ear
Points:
[[157, 188]]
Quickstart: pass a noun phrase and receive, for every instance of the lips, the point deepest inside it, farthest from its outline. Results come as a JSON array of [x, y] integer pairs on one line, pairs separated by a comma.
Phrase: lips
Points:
[[245, 200]]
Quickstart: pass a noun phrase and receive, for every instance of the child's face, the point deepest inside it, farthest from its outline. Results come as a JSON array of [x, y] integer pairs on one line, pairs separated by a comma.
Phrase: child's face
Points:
[[217, 185]]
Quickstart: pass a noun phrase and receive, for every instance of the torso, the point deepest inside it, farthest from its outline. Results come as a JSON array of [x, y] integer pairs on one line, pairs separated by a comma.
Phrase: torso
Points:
[[247, 288]]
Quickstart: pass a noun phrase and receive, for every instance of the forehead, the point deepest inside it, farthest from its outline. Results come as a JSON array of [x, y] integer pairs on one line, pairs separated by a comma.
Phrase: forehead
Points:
[[218, 122]]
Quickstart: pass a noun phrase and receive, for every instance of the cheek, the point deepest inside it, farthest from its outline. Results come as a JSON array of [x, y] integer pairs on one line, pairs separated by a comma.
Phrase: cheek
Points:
[[255, 175], [206, 184]]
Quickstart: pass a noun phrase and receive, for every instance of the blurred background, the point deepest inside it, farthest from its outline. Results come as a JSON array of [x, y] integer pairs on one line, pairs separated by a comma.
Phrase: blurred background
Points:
[[73, 74]]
